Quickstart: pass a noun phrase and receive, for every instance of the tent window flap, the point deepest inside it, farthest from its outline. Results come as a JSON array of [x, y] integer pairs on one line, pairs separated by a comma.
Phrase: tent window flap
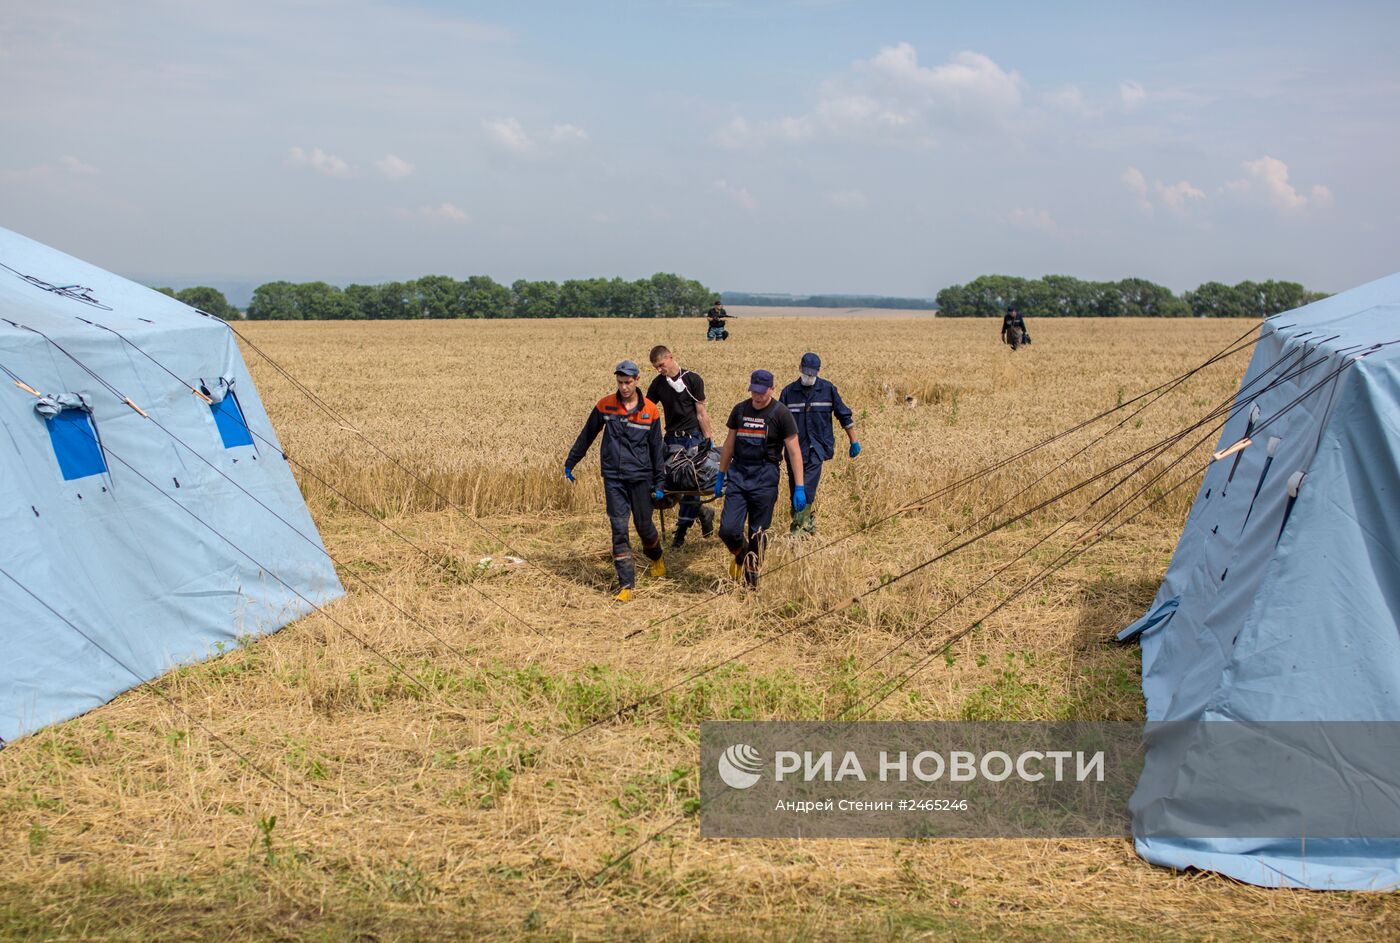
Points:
[[228, 416], [75, 445]]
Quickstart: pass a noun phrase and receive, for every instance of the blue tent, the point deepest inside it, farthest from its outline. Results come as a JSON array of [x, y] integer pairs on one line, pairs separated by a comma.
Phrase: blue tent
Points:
[[148, 517], [1281, 607]]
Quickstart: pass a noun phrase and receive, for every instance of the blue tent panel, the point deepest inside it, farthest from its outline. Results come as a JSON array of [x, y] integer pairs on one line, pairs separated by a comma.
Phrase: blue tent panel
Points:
[[228, 415], [75, 445]]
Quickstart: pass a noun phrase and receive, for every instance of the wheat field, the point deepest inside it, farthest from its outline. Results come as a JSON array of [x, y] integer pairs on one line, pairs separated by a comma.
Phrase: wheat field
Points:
[[455, 804]]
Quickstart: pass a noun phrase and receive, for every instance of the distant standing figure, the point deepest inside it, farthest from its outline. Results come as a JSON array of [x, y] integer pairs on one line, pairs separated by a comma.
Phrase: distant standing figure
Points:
[[1013, 328], [634, 472], [716, 316], [813, 403], [761, 429]]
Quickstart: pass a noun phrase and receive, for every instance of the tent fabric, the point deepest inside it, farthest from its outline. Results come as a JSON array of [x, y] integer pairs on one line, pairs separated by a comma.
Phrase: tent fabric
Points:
[[162, 559], [1256, 621]]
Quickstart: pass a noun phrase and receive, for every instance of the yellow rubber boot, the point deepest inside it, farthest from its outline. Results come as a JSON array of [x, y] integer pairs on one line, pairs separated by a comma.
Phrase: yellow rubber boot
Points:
[[736, 570], [624, 595], [657, 568]]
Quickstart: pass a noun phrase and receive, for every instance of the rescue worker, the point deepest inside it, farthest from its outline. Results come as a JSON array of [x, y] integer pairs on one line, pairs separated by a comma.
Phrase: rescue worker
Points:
[[1013, 328], [813, 402], [681, 395], [761, 429], [716, 316], [633, 471]]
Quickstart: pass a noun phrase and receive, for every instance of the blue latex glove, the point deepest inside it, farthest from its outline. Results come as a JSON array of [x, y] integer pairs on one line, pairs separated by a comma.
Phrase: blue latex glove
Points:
[[568, 473], [799, 498], [719, 485], [855, 449], [658, 495]]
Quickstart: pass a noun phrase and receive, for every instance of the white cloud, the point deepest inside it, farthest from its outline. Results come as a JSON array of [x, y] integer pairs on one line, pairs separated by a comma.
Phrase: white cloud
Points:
[[394, 168], [970, 81], [1266, 180], [510, 136], [848, 199], [740, 196], [1132, 95], [445, 212], [319, 161], [733, 135], [1033, 220], [1069, 98], [75, 166], [1137, 183], [566, 134], [1178, 196], [892, 95]]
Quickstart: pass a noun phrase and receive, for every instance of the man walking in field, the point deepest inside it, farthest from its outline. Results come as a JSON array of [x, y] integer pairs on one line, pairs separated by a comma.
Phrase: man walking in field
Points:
[[1013, 328], [681, 395], [633, 471], [813, 403], [761, 429]]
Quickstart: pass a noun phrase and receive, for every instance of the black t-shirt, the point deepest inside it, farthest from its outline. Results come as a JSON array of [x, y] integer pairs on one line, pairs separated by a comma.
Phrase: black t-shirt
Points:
[[1012, 320], [760, 433], [679, 404]]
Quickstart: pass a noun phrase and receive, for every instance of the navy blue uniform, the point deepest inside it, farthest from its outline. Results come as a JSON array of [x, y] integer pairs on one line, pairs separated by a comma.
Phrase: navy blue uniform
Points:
[[633, 468], [751, 485], [812, 408]]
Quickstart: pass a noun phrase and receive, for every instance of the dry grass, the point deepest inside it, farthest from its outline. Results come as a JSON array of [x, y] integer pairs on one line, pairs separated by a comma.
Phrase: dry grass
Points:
[[462, 812]]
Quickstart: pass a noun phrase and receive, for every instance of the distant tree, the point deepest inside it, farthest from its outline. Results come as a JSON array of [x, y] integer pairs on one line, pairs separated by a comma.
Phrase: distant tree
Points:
[[667, 295], [481, 297], [1282, 296], [534, 299], [319, 301], [274, 301], [988, 296], [1144, 299], [209, 300], [952, 302], [1214, 300], [433, 296], [164, 291]]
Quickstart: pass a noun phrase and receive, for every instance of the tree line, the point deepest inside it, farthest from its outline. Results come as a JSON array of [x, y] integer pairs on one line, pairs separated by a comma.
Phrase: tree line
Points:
[[440, 296], [1066, 296], [666, 296], [206, 299]]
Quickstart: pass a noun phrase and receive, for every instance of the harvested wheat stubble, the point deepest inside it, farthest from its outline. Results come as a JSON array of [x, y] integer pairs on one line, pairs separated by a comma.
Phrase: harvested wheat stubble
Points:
[[463, 812]]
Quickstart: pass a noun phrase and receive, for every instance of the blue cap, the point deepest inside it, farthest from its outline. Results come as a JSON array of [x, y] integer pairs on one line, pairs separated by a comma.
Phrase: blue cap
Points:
[[811, 364], [628, 369], [760, 381]]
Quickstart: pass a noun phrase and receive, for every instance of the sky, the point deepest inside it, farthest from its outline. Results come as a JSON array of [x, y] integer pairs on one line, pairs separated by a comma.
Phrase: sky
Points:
[[801, 147]]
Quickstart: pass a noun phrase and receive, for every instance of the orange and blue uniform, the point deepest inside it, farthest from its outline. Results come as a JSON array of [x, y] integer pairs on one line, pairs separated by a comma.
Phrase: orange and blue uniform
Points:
[[633, 467]]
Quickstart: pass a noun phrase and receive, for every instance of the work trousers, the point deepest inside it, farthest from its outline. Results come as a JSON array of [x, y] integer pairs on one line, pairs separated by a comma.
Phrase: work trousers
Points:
[[811, 477], [749, 495], [624, 499], [1014, 336]]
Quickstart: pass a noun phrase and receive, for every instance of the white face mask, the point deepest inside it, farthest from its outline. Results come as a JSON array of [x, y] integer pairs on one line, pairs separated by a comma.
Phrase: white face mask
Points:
[[678, 383], [808, 381]]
